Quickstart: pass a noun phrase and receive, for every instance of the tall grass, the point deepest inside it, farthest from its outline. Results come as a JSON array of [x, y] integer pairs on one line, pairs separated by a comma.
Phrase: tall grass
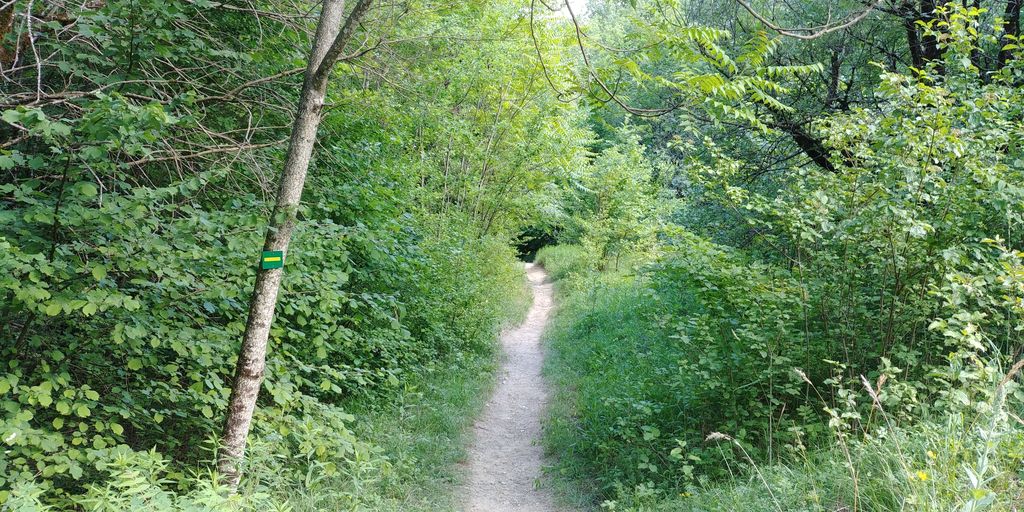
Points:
[[419, 439], [563, 261], [606, 376], [616, 421], [960, 461]]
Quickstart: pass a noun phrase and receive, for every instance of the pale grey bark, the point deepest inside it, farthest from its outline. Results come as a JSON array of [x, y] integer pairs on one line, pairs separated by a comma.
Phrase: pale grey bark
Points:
[[328, 43]]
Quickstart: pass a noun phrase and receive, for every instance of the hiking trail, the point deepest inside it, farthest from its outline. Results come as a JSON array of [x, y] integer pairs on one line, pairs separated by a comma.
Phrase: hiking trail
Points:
[[505, 458]]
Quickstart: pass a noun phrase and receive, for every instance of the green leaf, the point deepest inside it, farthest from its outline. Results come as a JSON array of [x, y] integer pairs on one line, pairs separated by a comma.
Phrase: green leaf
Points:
[[99, 272], [87, 189], [53, 309], [651, 433], [207, 411], [82, 411], [11, 116], [134, 364]]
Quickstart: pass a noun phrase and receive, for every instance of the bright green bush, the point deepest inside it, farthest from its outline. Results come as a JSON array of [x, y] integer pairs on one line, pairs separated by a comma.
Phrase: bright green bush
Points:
[[610, 376], [475, 280], [651, 412], [356, 318]]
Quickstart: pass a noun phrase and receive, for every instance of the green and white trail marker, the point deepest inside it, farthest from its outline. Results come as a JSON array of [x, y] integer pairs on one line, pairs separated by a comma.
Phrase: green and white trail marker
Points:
[[272, 259]]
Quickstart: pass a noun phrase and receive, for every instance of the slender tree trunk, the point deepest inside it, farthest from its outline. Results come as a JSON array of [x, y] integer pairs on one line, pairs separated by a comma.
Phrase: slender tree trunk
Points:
[[834, 75], [328, 44], [1011, 18], [910, 17], [6, 25], [929, 42]]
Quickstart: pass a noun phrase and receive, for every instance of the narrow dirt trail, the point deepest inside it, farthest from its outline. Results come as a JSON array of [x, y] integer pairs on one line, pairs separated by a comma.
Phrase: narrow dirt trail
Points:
[[505, 458]]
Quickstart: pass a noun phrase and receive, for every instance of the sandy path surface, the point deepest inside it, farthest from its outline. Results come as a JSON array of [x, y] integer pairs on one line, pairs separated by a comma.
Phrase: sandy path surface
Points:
[[505, 458]]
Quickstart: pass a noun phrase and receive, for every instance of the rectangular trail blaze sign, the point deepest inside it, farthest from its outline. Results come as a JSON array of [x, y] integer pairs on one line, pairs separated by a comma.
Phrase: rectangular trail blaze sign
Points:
[[272, 259]]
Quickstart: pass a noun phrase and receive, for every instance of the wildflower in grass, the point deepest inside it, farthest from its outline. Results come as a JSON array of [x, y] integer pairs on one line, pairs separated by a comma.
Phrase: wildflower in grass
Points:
[[918, 475]]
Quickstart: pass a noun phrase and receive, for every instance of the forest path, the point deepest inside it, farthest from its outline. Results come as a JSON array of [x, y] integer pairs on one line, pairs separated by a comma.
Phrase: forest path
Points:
[[505, 458]]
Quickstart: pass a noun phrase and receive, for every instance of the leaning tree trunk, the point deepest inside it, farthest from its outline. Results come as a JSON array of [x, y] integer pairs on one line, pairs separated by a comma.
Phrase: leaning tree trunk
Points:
[[328, 43]]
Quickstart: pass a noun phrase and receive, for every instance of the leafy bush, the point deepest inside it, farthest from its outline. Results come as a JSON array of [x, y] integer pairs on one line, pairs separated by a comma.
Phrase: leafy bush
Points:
[[701, 342], [966, 457], [173, 311], [651, 410], [612, 401], [615, 204]]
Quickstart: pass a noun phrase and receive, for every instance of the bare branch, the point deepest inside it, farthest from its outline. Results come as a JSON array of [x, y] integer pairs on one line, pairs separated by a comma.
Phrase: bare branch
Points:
[[233, 148], [231, 94], [811, 33], [334, 52]]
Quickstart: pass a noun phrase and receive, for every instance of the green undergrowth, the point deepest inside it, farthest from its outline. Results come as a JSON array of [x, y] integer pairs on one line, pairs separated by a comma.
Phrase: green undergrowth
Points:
[[420, 437], [959, 462], [562, 261], [593, 357], [642, 420], [387, 443]]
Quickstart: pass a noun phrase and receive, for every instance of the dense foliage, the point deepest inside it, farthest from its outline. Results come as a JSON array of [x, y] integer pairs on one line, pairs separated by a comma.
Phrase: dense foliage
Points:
[[789, 257], [840, 330], [141, 144]]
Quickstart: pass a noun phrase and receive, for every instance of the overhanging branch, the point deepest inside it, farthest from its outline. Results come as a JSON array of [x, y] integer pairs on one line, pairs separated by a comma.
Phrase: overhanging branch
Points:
[[815, 32]]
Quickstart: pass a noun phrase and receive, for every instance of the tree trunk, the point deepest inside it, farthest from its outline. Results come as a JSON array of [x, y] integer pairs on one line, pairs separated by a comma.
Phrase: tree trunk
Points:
[[834, 75], [810, 145], [910, 17], [328, 43], [1011, 18], [929, 42], [6, 25]]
